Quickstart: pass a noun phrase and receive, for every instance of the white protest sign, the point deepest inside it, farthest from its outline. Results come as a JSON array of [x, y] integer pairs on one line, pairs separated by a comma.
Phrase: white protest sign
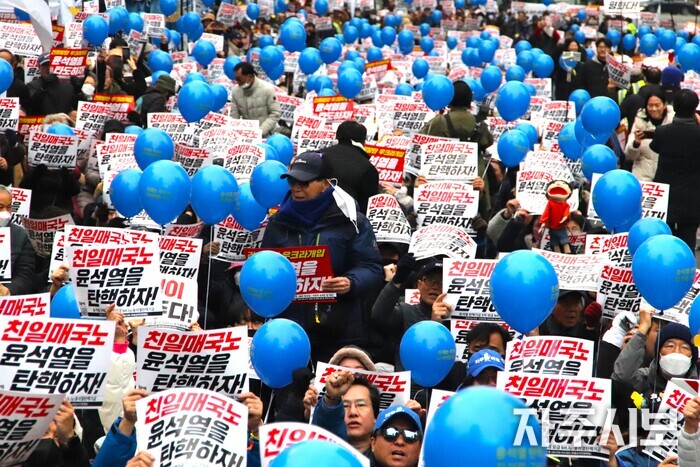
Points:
[[41, 232], [388, 220], [53, 151], [551, 355], [576, 272], [466, 283]]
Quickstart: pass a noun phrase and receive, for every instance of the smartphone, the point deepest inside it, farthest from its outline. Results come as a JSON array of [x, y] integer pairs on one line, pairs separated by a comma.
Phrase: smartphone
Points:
[[126, 54], [649, 134]]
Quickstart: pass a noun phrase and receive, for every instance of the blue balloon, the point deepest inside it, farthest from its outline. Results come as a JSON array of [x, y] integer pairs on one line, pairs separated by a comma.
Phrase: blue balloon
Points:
[[420, 68], [351, 34], [513, 146], [160, 61], [521, 274], [568, 143], [365, 31], [477, 89], [543, 66], [374, 54], [135, 22], [192, 77], [124, 192], [278, 348], [165, 39], [614, 36], [281, 6], [531, 89], [195, 34], [266, 185], [530, 131], [491, 438], [270, 152], [95, 29], [643, 31], [22, 15], [220, 95], [205, 52], [427, 44], [582, 15], [359, 64], [64, 304], [175, 38], [696, 39], [214, 190], [168, 7], [648, 44], [60, 129], [351, 55], [689, 56], [349, 83], [270, 58], [521, 46], [438, 92], [310, 60], [190, 22], [247, 212], [195, 101], [284, 147], [525, 59], [164, 190], [600, 115], [268, 283], [118, 19], [473, 58], [451, 42], [310, 451], [694, 316], [324, 82], [459, 4], [574, 27], [586, 139], [680, 42], [404, 89], [388, 35], [347, 64], [580, 36], [512, 100], [597, 159], [133, 130], [330, 50], [491, 78], [252, 11], [643, 230], [151, 146], [487, 50], [277, 72], [321, 7], [293, 37], [579, 97], [663, 269], [428, 350], [265, 40], [230, 64], [515, 73], [436, 16], [617, 199], [667, 39], [424, 29]]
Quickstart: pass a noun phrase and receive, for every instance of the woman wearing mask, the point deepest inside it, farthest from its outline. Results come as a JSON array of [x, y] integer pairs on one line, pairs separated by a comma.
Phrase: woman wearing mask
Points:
[[654, 113], [87, 91], [566, 80]]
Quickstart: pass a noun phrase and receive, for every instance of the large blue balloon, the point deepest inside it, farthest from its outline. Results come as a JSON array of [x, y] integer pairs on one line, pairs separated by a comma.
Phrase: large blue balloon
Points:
[[204, 52], [268, 283], [265, 40], [195, 101], [351, 34], [462, 421], [192, 77], [689, 56], [195, 34], [568, 143], [629, 42], [160, 61], [168, 7], [190, 22], [374, 54], [614, 36], [164, 190], [663, 269], [580, 36], [229, 65], [350, 83], [522, 45], [64, 304], [424, 29], [491, 78], [521, 274], [247, 212], [451, 42], [310, 451], [252, 11], [293, 37], [643, 230], [153, 145], [530, 131], [321, 7], [579, 97], [428, 351], [512, 147], [420, 68], [667, 39], [388, 35], [270, 152], [270, 58], [694, 316], [598, 159], [214, 190], [585, 138], [265, 183], [601, 115], [512, 100], [60, 129], [427, 44], [124, 192], [648, 44], [95, 29], [515, 73], [543, 66], [436, 16], [118, 19], [135, 22], [406, 39], [220, 95], [283, 146], [404, 89], [438, 92], [330, 49], [643, 31], [278, 348], [525, 59], [477, 89], [133, 130], [487, 49], [617, 199]]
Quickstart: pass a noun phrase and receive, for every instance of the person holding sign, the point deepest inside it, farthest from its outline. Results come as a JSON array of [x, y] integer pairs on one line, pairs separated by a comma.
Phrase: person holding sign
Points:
[[22, 255], [61, 445], [48, 94], [689, 441], [594, 75]]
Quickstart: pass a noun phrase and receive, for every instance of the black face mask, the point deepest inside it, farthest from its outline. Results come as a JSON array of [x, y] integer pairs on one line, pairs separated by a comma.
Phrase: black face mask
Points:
[[251, 333]]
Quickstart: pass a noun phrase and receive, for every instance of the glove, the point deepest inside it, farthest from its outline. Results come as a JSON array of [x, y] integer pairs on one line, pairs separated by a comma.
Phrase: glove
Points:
[[617, 332], [301, 378], [592, 314], [11, 138], [404, 268]]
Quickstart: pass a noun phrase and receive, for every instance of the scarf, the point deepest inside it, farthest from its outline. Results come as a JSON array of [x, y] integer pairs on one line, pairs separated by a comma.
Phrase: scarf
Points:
[[308, 212]]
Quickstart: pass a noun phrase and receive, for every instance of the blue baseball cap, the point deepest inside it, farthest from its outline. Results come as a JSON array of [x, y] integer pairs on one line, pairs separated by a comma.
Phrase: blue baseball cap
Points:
[[483, 359], [387, 414]]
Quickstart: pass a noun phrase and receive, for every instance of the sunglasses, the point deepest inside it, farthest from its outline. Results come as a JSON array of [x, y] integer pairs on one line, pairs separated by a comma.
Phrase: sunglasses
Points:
[[294, 181], [391, 434]]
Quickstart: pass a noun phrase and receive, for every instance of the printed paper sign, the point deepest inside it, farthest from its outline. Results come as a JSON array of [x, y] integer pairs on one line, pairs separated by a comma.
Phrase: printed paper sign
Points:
[[333, 108], [56, 356], [576, 272], [619, 72], [550, 355], [313, 140], [626, 8], [179, 298], [20, 39], [389, 162], [120, 104], [216, 360], [453, 203], [450, 161], [234, 239], [467, 286], [388, 220], [21, 200], [92, 116], [180, 256], [442, 239], [41, 232], [67, 63], [53, 151], [211, 428], [192, 159], [185, 230], [531, 191], [153, 24], [9, 113], [241, 160], [25, 305], [312, 265]]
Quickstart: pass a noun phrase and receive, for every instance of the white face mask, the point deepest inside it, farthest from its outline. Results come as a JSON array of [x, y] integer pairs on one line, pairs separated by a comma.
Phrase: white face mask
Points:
[[5, 218], [246, 85], [88, 89], [403, 190], [675, 364]]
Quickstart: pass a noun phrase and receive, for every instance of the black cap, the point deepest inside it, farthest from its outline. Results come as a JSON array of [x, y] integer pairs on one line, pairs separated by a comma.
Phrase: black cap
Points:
[[563, 293], [427, 268], [307, 166]]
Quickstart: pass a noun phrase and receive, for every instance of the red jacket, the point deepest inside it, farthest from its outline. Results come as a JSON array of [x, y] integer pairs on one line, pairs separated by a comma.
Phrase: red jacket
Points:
[[554, 213]]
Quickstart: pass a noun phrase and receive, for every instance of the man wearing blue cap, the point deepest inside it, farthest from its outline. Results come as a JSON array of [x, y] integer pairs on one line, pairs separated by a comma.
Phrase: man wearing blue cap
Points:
[[483, 368], [397, 438]]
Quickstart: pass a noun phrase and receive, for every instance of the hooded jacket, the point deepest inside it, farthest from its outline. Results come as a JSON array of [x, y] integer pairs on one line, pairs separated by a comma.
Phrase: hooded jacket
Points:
[[259, 102]]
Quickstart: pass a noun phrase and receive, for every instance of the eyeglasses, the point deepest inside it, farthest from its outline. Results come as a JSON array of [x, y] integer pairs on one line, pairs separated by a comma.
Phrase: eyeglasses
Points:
[[391, 434], [431, 282], [294, 181]]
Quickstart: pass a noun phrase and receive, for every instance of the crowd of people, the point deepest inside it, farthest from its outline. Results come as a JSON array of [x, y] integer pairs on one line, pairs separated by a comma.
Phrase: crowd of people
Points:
[[327, 205]]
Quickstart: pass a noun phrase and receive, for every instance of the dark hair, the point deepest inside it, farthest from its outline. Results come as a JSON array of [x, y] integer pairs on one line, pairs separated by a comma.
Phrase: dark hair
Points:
[[463, 95], [350, 130], [652, 75], [246, 69], [605, 41], [361, 380], [685, 102], [483, 331], [578, 218], [12, 56]]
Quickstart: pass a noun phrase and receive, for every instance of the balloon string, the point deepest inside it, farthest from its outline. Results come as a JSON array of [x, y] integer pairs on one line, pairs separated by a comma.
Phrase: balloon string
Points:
[[267, 412], [206, 299]]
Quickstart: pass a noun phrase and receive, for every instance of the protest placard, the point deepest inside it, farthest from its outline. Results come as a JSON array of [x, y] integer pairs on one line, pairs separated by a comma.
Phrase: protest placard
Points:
[[394, 388], [92, 116], [313, 140], [175, 125], [20, 39], [550, 355], [73, 35], [185, 230], [559, 111], [192, 159], [234, 239], [27, 418], [531, 188], [680, 311], [388, 161], [242, 158], [216, 360], [437, 398], [209, 428], [25, 305], [418, 142], [5, 254], [9, 113], [576, 272], [333, 107], [467, 286], [179, 298], [115, 157], [577, 242], [153, 24], [460, 329], [453, 203], [442, 239], [21, 200], [67, 63], [410, 117], [56, 356], [41, 232], [53, 151], [120, 104], [277, 437], [180, 256], [450, 161], [388, 220], [626, 8], [616, 291], [126, 275], [619, 72]]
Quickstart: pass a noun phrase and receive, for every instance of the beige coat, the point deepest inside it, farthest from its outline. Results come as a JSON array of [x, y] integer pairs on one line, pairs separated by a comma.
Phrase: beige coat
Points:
[[259, 102], [644, 159]]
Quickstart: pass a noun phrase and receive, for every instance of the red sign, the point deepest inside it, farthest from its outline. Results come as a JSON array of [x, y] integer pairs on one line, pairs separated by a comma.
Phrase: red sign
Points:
[[388, 161], [333, 107], [121, 104]]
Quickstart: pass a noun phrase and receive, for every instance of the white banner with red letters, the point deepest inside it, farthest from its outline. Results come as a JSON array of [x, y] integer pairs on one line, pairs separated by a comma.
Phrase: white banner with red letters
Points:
[[453, 203], [179, 298], [233, 239], [551, 355], [576, 272], [26, 305], [92, 116], [9, 113], [388, 161], [180, 256], [466, 283], [41, 232], [388, 220], [450, 161], [53, 151], [442, 239]]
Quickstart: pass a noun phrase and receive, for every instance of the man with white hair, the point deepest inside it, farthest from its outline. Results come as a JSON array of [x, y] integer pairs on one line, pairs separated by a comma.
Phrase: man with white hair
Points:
[[22, 254]]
